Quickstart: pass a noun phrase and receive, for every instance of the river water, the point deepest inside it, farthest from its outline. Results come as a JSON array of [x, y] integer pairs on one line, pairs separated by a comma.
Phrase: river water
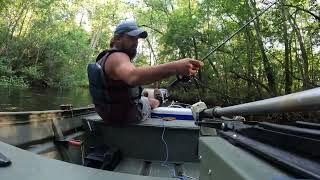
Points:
[[39, 99]]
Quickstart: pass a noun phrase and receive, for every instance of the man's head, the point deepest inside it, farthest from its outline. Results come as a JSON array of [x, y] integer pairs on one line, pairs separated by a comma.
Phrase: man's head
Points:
[[126, 37]]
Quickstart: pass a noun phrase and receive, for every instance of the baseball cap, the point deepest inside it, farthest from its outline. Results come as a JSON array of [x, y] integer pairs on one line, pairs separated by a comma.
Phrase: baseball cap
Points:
[[131, 29]]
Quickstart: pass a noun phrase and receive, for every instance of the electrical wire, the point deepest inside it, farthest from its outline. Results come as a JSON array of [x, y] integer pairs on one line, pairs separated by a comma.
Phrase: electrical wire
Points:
[[165, 162]]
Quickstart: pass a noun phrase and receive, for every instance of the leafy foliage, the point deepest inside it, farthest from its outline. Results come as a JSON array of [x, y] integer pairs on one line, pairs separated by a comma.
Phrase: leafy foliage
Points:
[[49, 43]]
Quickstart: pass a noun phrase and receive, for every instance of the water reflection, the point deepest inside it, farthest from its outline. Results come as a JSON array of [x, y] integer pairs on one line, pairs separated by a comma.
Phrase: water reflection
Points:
[[37, 99]]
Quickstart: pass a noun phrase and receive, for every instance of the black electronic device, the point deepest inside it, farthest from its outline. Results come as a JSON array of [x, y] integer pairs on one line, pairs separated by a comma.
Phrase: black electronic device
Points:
[[4, 161]]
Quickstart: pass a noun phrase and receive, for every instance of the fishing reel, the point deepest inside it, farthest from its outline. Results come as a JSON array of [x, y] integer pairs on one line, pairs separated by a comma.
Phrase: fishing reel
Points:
[[186, 81], [180, 78]]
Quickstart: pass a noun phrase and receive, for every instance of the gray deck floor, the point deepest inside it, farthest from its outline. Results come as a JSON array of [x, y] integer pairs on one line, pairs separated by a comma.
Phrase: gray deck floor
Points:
[[28, 166], [156, 169]]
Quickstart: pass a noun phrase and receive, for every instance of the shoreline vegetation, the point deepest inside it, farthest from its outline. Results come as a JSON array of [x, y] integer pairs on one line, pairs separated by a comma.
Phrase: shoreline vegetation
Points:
[[45, 44]]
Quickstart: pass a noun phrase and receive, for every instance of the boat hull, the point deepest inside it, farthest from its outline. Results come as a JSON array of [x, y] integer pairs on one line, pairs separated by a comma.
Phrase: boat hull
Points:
[[21, 128]]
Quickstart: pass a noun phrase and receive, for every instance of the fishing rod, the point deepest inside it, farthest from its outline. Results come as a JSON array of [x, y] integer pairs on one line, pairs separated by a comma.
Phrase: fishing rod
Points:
[[188, 78], [235, 33]]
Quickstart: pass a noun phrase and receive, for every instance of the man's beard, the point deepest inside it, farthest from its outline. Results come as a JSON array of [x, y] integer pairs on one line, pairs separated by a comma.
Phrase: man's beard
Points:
[[131, 52]]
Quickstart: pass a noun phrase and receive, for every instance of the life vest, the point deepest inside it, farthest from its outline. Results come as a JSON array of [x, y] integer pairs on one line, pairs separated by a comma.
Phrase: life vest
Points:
[[115, 101]]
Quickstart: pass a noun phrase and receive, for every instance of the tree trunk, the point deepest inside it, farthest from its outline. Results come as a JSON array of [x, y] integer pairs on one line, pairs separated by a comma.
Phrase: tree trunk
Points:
[[23, 21], [290, 58], [249, 49], [312, 75], [29, 25], [287, 77], [304, 55], [267, 66], [96, 37], [152, 53], [250, 54], [171, 5], [17, 19], [300, 68]]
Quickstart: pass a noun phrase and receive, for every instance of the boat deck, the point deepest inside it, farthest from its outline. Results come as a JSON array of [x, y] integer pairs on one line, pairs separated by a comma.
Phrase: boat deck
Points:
[[28, 166], [157, 169]]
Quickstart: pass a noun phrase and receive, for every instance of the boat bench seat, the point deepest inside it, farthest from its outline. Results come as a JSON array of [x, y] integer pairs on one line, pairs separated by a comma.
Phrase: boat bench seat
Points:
[[144, 140], [154, 122]]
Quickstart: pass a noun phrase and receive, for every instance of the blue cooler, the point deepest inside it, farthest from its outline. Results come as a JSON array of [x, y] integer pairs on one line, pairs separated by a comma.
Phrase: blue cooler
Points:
[[177, 113]]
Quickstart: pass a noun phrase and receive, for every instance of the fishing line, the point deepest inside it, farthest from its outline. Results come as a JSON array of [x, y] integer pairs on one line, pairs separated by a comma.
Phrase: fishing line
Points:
[[235, 33], [187, 78]]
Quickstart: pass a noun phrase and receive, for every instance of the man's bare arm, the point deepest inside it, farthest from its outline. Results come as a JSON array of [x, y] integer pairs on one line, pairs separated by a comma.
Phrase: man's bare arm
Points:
[[119, 67]]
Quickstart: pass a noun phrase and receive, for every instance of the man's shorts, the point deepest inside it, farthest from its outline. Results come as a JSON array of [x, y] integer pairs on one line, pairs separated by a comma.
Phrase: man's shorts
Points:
[[146, 108]]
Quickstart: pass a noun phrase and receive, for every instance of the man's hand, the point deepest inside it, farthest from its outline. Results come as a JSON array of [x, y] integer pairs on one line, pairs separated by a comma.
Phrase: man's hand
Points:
[[188, 66]]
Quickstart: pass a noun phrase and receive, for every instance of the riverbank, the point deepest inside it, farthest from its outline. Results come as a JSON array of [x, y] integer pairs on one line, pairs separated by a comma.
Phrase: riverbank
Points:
[[38, 99]]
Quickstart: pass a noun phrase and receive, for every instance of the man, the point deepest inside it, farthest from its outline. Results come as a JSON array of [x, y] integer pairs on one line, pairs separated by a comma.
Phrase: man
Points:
[[115, 82]]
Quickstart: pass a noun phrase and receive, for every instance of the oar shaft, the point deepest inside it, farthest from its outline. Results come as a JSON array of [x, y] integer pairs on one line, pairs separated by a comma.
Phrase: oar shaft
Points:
[[308, 100]]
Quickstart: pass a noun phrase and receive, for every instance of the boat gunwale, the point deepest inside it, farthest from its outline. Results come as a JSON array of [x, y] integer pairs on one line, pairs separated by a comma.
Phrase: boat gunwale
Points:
[[47, 111], [21, 118]]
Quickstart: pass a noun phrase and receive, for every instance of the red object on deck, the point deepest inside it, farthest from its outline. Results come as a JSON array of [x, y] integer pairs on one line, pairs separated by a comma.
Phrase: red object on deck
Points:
[[75, 142]]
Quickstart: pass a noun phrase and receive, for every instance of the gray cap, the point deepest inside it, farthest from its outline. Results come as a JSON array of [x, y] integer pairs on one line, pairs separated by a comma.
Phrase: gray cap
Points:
[[131, 29]]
